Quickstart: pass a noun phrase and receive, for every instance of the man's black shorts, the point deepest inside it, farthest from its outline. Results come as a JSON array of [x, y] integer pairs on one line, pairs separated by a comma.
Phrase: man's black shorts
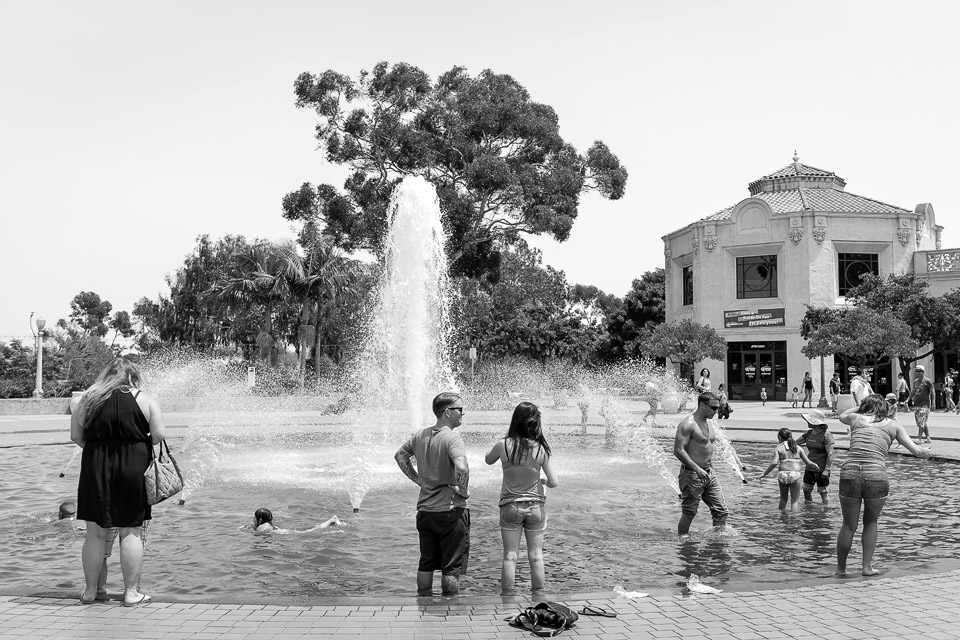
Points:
[[444, 541]]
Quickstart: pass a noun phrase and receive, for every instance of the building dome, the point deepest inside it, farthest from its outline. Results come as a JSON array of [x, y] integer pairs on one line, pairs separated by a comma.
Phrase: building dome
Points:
[[797, 176]]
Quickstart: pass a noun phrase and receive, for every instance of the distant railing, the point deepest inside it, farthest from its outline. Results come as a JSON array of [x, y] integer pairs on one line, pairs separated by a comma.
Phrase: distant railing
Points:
[[943, 261]]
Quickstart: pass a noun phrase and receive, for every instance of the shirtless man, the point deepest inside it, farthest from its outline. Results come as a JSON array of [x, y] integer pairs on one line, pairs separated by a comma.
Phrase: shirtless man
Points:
[[693, 446]]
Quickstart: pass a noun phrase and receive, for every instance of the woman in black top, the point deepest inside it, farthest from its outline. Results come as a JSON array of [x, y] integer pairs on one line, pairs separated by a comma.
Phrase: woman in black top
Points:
[[807, 390], [116, 425]]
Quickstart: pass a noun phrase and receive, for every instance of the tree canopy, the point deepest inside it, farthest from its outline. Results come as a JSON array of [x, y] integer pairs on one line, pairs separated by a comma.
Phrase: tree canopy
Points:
[[892, 317], [90, 313], [930, 320], [531, 311], [496, 158], [860, 333], [686, 342], [643, 308]]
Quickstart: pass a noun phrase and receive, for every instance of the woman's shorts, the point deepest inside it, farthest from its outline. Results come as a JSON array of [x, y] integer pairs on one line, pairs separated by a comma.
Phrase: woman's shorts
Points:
[[811, 477], [527, 514], [864, 480]]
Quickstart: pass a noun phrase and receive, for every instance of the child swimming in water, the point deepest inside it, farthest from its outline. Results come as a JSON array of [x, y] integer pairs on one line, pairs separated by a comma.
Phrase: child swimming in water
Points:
[[789, 459], [263, 523]]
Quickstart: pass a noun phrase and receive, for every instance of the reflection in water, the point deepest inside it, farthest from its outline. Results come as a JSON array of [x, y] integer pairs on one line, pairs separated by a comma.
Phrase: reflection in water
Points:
[[708, 556]]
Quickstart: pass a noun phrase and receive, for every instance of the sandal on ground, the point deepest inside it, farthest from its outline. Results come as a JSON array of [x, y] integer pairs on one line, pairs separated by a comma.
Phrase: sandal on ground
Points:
[[144, 599], [598, 611], [82, 601]]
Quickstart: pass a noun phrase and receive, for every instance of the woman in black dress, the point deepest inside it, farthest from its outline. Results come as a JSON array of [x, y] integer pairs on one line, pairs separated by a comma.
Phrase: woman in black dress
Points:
[[117, 425]]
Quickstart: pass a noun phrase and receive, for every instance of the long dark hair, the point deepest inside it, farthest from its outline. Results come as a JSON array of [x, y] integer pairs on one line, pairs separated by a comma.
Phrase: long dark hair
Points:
[[262, 516], [786, 435], [524, 426]]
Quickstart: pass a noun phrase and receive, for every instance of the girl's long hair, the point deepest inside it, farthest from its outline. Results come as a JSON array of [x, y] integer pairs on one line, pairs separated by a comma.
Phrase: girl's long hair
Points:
[[875, 405], [524, 427], [119, 373], [786, 435]]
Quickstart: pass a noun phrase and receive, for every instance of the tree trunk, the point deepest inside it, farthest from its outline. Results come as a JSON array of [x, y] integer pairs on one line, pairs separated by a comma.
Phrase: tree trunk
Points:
[[303, 341], [316, 345]]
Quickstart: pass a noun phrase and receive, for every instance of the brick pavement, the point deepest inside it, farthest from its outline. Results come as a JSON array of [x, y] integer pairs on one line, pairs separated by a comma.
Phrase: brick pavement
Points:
[[920, 606]]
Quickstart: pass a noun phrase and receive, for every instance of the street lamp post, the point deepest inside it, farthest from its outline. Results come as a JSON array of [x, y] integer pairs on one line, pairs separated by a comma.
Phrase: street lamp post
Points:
[[41, 323], [823, 404]]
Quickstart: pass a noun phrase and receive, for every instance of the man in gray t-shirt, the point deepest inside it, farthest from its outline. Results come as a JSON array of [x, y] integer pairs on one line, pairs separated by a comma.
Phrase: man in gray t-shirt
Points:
[[442, 473]]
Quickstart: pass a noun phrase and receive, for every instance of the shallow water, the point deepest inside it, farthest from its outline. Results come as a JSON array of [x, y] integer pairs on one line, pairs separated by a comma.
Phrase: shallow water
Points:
[[611, 522]]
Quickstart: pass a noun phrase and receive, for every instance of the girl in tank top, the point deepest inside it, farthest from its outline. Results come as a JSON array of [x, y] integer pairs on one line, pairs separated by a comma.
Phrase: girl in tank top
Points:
[[523, 453]]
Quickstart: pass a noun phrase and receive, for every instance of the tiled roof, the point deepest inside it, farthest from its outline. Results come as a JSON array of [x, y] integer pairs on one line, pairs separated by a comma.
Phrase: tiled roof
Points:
[[826, 200], [797, 169], [846, 202]]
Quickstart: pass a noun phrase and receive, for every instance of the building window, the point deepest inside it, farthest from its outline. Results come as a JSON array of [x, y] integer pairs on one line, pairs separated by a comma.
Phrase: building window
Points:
[[850, 266], [757, 277], [688, 285]]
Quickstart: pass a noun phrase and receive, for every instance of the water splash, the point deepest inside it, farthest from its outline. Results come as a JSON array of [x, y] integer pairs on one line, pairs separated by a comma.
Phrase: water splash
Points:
[[724, 450], [358, 483], [643, 442], [207, 446]]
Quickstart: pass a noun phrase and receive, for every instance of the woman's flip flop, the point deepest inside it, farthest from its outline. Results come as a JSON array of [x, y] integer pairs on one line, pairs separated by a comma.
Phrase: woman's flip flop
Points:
[[598, 611], [144, 599]]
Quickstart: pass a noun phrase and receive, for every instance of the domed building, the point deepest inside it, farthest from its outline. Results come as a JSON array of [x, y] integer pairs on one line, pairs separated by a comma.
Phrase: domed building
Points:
[[799, 239]]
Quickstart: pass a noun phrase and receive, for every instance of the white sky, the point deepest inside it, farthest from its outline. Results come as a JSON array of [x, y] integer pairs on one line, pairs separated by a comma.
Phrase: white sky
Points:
[[127, 129]]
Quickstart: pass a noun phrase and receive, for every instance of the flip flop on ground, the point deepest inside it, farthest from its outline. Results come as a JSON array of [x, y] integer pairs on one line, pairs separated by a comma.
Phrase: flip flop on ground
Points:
[[598, 611], [144, 599], [82, 601]]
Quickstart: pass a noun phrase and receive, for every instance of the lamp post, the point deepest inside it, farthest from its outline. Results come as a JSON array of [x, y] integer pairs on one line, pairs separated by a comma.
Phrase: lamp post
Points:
[[823, 404], [41, 323]]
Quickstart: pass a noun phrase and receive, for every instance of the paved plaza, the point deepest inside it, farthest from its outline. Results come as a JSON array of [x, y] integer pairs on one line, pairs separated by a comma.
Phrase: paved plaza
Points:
[[918, 606]]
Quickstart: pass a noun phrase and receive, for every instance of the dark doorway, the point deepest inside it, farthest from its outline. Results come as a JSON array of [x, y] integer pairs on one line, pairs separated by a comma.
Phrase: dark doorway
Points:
[[752, 366]]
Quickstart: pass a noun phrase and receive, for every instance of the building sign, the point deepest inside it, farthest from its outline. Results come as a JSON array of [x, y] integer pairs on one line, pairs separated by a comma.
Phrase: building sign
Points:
[[753, 318]]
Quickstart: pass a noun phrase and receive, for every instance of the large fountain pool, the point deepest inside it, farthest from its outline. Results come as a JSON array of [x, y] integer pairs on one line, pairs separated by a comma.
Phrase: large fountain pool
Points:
[[612, 522]]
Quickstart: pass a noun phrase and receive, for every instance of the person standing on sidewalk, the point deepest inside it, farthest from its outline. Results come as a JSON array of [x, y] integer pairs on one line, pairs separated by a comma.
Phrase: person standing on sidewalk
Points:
[[807, 390], [442, 473], [860, 387], [834, 391], [948, 393], [903, 392], [922, 399]]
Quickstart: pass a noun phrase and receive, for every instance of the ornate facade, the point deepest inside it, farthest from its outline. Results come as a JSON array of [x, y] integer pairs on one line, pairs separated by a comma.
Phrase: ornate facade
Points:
[[798, 239]]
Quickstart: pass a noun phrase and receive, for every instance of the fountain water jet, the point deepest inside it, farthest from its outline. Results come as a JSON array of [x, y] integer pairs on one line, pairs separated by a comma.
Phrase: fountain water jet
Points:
[[405, 360]]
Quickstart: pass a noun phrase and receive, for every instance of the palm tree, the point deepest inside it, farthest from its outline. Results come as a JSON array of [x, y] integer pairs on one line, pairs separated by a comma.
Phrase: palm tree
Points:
[[330, 279], [264, 274]]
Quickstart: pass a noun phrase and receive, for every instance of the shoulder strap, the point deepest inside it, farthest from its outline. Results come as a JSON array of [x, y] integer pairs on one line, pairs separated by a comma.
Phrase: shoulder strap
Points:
[[136, 394]]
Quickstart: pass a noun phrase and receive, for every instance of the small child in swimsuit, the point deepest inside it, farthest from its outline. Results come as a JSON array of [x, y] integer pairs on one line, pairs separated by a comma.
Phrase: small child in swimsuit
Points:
[[763, 396], [789, 459], [796, 397], [263, 523]]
